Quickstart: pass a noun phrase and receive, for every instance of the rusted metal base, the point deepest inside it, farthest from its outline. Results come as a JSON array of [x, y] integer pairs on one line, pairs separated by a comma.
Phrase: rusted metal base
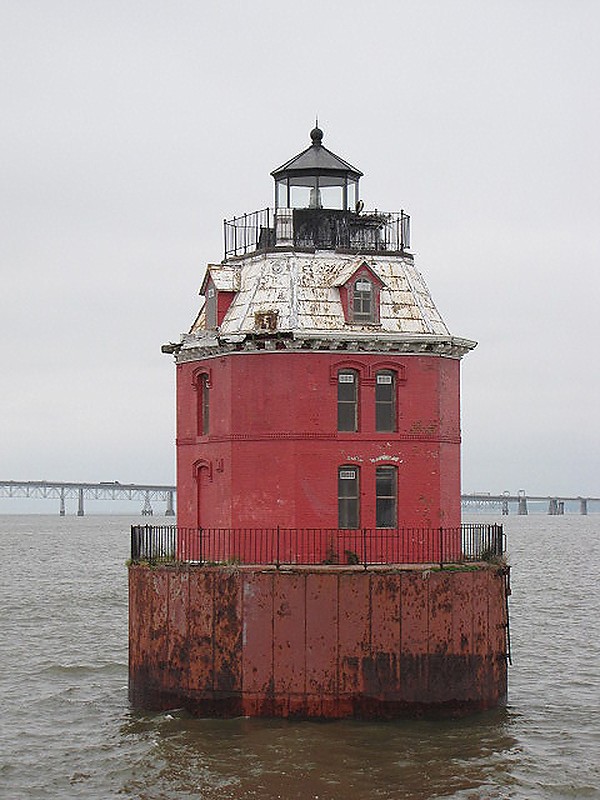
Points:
[[325, 642]]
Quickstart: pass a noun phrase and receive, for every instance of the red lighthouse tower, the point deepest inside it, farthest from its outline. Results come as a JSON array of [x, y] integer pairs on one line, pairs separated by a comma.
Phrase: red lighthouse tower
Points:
[[318, 455]]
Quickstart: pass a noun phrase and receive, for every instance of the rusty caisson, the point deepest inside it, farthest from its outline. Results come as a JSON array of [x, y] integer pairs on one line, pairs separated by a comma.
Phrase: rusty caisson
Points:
[[324, 642]]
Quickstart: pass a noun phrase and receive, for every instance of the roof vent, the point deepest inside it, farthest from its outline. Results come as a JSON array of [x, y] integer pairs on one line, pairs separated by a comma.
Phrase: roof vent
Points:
[[265, 321]]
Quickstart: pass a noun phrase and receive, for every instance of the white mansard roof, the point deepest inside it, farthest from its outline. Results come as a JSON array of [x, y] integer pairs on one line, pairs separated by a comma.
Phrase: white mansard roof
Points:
[[303, 289]]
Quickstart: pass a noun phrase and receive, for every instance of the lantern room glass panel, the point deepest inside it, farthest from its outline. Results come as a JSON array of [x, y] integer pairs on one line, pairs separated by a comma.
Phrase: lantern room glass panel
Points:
[[281, 196], [351, 195]]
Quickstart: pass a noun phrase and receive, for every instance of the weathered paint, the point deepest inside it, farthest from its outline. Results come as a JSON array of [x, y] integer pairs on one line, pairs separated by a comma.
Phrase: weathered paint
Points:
[[272, 453], [306, 292], [324, 642]]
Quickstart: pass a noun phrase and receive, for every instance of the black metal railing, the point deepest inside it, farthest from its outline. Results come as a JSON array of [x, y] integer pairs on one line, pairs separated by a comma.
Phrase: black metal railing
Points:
[[313, 546], [320, 228], [249, 232]]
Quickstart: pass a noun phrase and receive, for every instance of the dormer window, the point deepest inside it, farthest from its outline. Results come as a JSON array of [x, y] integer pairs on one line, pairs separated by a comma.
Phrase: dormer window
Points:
[[359, 293], [219, 288]]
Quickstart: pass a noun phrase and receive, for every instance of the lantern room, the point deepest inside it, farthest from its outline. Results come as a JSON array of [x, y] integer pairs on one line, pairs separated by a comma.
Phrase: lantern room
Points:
[[317, 178]]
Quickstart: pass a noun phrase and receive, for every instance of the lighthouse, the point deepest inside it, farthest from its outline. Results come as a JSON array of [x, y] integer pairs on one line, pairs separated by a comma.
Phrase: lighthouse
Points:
[[318, 481]]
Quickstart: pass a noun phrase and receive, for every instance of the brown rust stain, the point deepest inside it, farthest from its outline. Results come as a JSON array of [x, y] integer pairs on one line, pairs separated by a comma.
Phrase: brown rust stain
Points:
[[344, 644]]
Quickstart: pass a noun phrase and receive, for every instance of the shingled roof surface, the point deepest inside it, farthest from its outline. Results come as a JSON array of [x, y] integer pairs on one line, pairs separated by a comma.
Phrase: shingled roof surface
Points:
[[304, 291]]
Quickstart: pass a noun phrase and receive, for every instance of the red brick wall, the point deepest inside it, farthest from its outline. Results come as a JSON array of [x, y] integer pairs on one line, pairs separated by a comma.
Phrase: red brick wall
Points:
[[273, 450]]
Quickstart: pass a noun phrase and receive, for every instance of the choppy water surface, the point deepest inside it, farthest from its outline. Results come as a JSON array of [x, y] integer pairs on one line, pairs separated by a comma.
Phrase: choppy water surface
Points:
[[66, 729]]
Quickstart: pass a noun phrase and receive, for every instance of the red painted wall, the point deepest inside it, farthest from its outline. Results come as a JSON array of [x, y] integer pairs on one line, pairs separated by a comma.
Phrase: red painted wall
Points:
[[340, 643], [273, 450]]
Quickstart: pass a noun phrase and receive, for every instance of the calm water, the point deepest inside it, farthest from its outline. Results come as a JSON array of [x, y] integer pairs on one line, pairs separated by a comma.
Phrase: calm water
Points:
[[66, 729]]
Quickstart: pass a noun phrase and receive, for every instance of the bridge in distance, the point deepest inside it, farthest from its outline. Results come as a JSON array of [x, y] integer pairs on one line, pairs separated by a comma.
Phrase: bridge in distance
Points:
[[519, 503], [105, 490]]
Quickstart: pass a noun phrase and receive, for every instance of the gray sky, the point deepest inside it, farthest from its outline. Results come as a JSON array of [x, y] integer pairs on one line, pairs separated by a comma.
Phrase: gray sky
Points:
[[131, 129]]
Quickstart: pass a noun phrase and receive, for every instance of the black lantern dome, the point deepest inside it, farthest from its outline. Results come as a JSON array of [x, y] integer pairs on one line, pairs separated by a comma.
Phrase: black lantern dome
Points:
[[316, 178]]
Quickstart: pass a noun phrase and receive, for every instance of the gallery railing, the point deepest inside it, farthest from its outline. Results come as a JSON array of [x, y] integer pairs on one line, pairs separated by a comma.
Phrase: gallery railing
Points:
[[320, 228], [313, 546]]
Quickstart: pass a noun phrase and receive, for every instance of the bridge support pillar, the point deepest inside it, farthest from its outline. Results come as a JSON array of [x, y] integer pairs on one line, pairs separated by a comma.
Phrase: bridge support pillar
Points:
[[147, 508], [170, 512], [583, 509], [62, 503], [556, 507], [80, 511], [522, 507]]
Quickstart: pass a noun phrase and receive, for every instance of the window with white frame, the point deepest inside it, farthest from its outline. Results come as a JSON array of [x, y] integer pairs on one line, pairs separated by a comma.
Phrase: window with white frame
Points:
[[347, 400], [385, 401], [348, 497]]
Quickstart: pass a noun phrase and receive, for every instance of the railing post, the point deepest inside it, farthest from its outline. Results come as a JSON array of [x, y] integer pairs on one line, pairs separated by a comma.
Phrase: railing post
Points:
[[441, 548], [200, 553], [364, 544], [277, 564], [134, 549]]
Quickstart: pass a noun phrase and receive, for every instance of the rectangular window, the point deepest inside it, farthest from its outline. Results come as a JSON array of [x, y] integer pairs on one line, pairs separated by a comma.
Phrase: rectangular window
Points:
[[362, 304], [348, 497], [203, 390], [385, 402], [347, 401], [386, 507]]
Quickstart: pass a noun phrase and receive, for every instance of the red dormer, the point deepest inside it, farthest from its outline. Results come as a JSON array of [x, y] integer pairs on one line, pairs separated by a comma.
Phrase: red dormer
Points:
[[359, 294], [219, 287]]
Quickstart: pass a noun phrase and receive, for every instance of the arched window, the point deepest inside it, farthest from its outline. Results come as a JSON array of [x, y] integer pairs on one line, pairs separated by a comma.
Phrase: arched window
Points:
[[385, 401], [347, 400], [362, 307], [202, 403], [348, 497], [386, 505]]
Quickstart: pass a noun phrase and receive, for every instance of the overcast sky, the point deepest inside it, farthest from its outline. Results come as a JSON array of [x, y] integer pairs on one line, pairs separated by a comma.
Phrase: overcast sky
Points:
[[131, 129]]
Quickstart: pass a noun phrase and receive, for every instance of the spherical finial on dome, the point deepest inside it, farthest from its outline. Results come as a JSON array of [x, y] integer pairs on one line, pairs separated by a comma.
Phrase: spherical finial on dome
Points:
[[316, 135]]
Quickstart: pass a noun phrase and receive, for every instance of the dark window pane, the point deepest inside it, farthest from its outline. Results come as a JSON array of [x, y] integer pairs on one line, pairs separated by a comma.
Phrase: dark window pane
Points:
[[347, 392], [348, 514], [203, 403], [348, 497], [386, 512], [385, 401], [363, 300], [384, 481], [347, 401], [346, 416], [384, 419]]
